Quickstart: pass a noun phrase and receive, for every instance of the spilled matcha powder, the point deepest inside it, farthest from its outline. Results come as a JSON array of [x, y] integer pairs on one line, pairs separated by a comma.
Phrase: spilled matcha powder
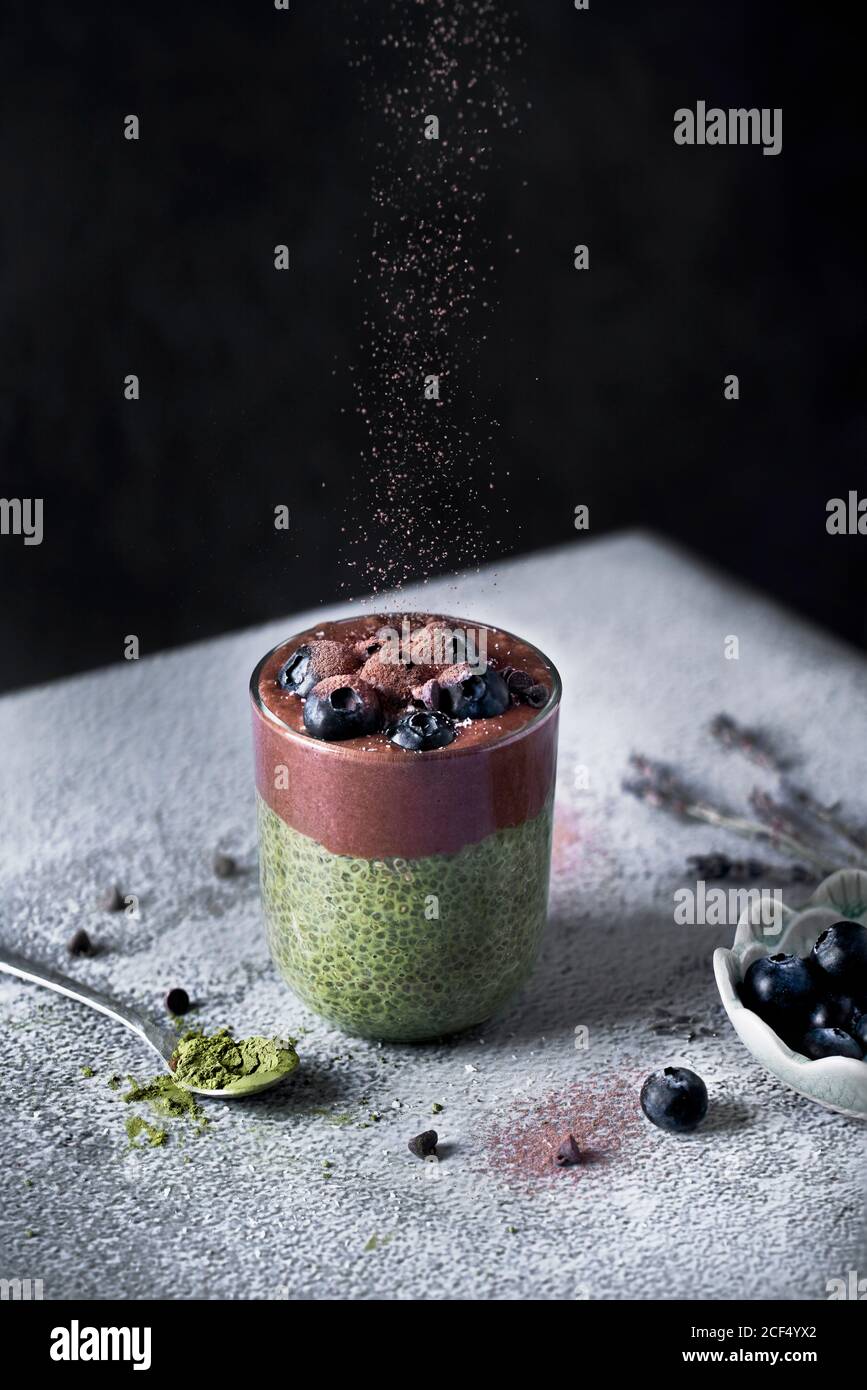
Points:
[[220, 1063], [166, 1098], [216, 1063], [136, 1125]]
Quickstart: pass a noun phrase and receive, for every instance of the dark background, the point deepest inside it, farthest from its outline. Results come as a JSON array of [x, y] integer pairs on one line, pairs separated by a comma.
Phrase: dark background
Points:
[[157, 258]]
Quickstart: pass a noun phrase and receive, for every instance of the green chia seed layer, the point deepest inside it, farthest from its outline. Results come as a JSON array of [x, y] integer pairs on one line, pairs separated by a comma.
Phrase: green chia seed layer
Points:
[[358, 939]]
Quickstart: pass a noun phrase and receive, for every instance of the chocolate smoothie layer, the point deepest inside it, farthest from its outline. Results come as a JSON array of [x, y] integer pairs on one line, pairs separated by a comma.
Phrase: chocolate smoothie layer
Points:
[[369, 798]]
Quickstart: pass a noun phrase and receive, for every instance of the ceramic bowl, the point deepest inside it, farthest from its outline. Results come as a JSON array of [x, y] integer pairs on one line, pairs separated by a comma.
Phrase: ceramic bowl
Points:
[[838, 1083]]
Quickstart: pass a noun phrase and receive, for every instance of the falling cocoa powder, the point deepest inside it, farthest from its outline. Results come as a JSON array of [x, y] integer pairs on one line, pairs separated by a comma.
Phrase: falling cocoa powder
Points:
[[431, 258]]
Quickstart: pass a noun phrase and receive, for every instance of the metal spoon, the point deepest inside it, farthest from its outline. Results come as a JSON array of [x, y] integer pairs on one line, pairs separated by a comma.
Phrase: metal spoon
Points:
[[163, 1040]]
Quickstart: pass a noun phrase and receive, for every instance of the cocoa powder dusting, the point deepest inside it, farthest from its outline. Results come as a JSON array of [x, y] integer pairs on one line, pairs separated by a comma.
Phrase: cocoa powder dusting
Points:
[[394, 681], [602, 1113], [334, 658]]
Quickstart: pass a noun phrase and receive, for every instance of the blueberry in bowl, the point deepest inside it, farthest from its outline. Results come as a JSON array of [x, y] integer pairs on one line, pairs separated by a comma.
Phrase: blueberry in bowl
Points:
[[840, 956], [792, 996], [834, 1011], [781, 990], [831, 1042], [810, 1035]]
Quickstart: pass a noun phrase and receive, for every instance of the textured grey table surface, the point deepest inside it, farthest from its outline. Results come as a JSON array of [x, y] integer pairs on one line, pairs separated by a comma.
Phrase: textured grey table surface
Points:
[[136, 774]]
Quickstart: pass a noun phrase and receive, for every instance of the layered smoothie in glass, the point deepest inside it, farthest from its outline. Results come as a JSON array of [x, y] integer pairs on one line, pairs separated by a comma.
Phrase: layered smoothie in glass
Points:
[[405, 778]]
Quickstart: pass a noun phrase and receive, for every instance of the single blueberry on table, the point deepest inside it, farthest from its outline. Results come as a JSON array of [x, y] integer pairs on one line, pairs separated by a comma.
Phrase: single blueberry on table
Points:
[[420, 730], [831, 1042], [781, 990], [342, 707], [841, 955], [674, 1099]]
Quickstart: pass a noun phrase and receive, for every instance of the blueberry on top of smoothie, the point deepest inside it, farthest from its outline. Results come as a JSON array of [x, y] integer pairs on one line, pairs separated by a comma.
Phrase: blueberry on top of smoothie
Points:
[[340, 707], [295, 675], [419, 731], [316, 661], [412, 663], [469, 694], [536, 696], [841, 955], [494, 699]]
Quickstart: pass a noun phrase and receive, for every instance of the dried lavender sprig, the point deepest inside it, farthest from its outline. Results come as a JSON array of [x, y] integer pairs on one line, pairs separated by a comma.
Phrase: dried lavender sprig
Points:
[[719, 865], [657, 785], [777, 816], [828, 815], [733, 737], [773, 813]]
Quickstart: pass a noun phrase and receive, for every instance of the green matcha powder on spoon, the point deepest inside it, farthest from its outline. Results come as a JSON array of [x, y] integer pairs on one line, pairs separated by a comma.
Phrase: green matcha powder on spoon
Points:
[[216, 1066]]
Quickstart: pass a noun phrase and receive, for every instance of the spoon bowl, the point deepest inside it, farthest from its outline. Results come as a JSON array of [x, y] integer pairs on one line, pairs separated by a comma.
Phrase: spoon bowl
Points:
[[163, 1041]]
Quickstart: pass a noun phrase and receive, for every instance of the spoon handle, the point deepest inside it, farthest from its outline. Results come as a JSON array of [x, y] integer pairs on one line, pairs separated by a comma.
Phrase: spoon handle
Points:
[[163, 1040]]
